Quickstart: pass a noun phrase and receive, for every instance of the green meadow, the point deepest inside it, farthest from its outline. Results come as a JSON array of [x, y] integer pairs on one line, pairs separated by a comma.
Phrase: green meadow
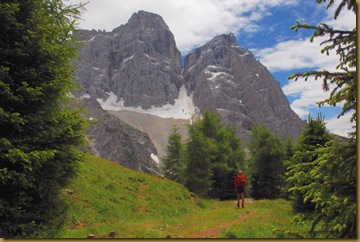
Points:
[[106, 197]]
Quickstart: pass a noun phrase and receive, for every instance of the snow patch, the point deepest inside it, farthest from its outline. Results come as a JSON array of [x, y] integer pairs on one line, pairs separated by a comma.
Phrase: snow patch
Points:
[[229, 33], [155, 158], [245, 54], [127, 59], [149, 57], [191, 67], [93, 38], [216, 74], [183, 108], [87, 96]]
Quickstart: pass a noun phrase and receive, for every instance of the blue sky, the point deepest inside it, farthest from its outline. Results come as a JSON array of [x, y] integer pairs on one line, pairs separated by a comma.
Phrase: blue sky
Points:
[[261, 26]]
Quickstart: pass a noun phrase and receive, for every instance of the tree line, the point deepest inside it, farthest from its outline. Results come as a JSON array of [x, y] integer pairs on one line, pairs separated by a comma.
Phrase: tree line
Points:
[[317, 172]]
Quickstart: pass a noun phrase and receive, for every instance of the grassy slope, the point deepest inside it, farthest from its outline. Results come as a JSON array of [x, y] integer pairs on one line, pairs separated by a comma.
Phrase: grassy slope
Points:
[[108, 197]]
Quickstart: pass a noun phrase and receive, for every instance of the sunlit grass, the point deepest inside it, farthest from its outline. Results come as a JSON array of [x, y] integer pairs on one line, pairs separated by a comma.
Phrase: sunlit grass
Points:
[[107, 197], [269, 219]]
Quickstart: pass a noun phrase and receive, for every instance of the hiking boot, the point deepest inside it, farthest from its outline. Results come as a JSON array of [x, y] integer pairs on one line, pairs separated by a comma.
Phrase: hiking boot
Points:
[[242, 205], [238, 205]]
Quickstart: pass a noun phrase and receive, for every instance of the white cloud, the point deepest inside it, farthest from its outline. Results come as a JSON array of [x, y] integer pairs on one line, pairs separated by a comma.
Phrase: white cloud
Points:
[[345, 21], [340, 126], [295, 55], [307, 94]]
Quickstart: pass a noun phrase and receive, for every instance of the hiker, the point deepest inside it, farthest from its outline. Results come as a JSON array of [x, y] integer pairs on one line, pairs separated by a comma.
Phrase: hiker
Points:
[[240, 182]]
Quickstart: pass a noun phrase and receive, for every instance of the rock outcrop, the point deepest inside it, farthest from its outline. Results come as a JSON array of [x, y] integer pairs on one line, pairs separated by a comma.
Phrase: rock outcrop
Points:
[[115, 140]]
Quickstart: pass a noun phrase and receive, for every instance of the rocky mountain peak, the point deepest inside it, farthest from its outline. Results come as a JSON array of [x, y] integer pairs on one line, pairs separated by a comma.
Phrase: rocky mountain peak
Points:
[[226, 38], [137, 63], [146, 20], [215, 52], [228, 79]]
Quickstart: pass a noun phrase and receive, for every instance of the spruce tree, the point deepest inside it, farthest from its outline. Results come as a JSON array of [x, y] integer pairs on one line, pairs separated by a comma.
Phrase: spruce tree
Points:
[[39, 132], [229, 159], [289, 152], [198, 170], [314, 136], [332, 189], [225, 151], [267, 153], [173, 162]]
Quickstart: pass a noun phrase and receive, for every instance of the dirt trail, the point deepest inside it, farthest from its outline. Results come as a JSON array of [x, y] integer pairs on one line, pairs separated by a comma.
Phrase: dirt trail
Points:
[[216, 231]]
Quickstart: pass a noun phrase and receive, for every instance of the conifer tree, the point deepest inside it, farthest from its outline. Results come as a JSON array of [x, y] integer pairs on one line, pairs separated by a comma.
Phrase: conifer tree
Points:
[[343, 42], [314, 136], [173, 162], [289, 152], [230, 158], [39, 132], [332, 190], [198, 170], [223, 149], [267, 155]]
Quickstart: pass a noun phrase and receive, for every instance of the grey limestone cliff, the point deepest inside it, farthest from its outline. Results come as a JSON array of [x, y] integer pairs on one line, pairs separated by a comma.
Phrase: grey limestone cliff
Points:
[[138, 62], [228, 79], [115, 140]]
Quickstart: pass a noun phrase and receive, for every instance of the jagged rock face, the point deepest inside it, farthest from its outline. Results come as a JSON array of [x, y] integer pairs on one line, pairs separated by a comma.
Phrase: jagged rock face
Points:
[[113, 139], [139, 62], [227, 78]]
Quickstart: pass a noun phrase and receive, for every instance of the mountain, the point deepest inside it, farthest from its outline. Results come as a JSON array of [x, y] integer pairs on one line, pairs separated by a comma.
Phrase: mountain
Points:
[[133, 75], [228, 79]]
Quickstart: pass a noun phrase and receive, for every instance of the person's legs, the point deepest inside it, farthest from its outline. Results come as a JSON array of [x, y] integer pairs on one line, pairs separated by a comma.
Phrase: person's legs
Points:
[[238, 199], [243, 199]]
